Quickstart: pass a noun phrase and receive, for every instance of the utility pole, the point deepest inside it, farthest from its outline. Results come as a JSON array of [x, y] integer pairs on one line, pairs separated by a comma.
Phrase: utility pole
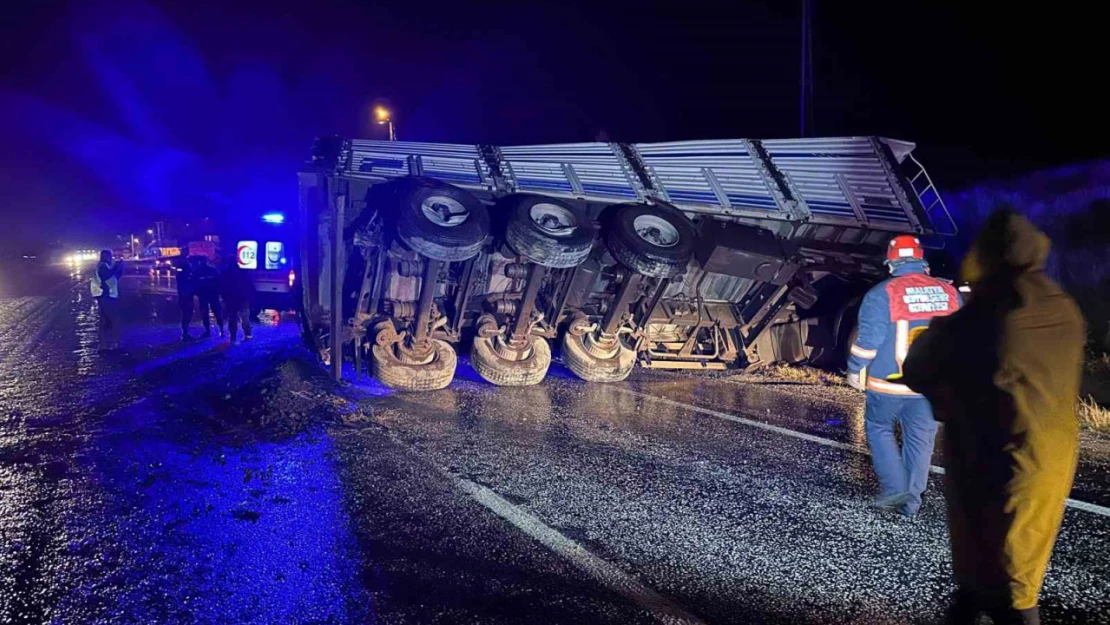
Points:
[[805, 120]]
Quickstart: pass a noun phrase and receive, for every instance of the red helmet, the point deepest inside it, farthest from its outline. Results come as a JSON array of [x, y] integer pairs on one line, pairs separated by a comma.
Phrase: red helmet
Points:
[[904, 247]]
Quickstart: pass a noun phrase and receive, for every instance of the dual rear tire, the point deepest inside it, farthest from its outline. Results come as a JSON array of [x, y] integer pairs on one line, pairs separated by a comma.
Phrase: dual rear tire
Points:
[[437, 220], [587, 361], [487, 358], [549, 232], [396, 372], [440, 222], [654, 240]]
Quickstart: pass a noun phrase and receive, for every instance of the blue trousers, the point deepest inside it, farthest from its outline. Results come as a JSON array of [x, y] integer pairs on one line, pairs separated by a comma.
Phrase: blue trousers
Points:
[[904, 470]]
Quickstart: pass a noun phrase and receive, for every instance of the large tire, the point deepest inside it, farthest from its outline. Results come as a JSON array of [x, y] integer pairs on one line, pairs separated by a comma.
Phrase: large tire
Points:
[[503, 372], [549, 232], [590, 368], [439, 221], [656, 241], [431, 376], [844, 332]]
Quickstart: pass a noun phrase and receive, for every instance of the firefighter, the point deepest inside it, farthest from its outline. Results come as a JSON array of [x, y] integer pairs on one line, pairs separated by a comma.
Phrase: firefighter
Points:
[[892, 313], [1003, 374]]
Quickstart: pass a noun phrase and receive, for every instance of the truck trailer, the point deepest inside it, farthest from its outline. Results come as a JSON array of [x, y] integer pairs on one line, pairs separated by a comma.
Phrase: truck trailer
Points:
[[704, 255]]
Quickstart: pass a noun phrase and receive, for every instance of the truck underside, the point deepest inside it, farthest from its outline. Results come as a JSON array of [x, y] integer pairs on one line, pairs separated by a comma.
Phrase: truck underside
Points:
[[690, 255]]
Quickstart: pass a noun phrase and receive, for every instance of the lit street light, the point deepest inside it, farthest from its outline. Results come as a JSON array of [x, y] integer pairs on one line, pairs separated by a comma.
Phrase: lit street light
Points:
[[383, 116]]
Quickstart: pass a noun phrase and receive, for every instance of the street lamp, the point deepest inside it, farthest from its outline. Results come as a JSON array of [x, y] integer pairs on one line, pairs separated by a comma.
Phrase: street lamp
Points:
[[383, 116], [150, 231]]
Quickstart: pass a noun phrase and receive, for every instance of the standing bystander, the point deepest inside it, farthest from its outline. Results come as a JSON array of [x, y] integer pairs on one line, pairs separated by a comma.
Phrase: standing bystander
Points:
[[105, 288], [183, 273], [206, 286], [1003, 374], [237, 291]]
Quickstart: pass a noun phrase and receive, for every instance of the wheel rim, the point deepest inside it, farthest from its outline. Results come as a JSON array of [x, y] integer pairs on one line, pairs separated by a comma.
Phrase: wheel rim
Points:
[[553, 219], [602, 350], [502, 349], [656, 230], [444, 211], [408, 357]]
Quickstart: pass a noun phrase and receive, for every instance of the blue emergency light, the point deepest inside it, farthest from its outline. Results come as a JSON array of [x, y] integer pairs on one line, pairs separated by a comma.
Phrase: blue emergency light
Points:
[[273, 218]]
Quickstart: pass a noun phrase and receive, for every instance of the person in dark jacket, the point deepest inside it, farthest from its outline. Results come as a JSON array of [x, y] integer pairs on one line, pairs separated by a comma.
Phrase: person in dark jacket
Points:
[[185, 294], [237, 291], [206, 286], [1003, 374], [890, 315]]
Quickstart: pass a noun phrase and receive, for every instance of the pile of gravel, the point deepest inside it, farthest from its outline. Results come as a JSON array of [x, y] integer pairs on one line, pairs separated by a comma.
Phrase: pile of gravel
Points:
[[282, 396]]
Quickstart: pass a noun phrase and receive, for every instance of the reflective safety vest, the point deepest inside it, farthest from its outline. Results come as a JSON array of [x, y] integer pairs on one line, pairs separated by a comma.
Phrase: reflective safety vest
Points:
[[98, 287]]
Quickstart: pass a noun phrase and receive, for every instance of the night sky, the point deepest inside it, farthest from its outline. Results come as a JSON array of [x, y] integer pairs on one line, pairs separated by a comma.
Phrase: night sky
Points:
[[113, 113]]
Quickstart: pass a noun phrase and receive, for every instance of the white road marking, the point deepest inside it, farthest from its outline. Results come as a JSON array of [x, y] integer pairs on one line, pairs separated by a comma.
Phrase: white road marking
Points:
[[1072, 503], [662, 608], [609, 575], [1089, 507]]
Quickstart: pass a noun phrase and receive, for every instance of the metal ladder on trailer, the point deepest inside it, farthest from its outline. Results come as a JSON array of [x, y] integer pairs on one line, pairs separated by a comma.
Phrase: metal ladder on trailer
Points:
[[930, 200]]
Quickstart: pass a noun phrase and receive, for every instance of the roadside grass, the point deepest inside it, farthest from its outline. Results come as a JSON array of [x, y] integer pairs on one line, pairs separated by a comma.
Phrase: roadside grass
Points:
[[800, 374], [1091, 415]]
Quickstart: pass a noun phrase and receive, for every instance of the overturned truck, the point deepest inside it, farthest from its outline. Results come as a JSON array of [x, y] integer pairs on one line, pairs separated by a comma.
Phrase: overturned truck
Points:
[[686, 255]]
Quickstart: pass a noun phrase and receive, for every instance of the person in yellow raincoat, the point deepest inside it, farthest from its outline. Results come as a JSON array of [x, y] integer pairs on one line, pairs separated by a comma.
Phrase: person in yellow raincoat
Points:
[[1003, 374]]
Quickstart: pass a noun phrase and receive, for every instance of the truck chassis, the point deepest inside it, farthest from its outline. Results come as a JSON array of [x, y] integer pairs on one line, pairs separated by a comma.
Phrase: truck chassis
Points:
[[691, 255]]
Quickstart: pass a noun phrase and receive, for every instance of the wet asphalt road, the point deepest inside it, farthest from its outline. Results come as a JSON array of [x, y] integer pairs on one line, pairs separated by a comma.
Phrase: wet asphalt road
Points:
[[208, 483]]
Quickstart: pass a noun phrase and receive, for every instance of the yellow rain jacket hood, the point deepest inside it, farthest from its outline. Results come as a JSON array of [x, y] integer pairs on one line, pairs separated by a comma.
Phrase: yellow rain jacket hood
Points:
[[1009, 243], [1003, 374]]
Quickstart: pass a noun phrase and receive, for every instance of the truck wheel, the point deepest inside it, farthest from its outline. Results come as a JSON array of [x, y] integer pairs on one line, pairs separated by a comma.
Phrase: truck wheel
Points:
[[550, 232], [430, 376], [439, 221], [656, 241], [489, 364], [595, 366]]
